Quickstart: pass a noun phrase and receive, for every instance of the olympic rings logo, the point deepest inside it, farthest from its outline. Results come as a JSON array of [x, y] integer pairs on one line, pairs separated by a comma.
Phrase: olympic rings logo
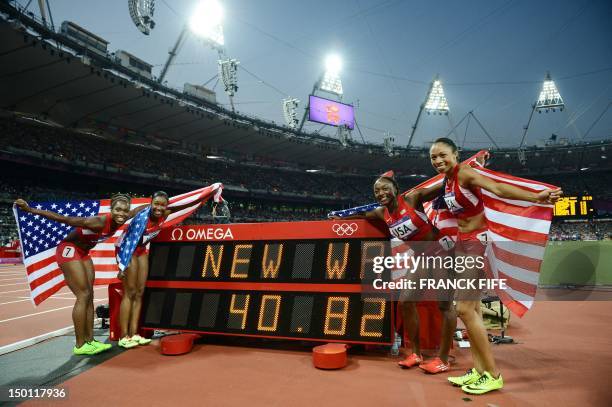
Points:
[[345, 229]]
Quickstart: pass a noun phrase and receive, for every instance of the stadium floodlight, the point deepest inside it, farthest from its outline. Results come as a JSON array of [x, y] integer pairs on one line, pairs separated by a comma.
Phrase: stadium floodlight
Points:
[[344, 135], [141, 12], [206, 22], [436, 101], [388, 145], [331, 78], [228, 71], [550, 98], [290, 112]]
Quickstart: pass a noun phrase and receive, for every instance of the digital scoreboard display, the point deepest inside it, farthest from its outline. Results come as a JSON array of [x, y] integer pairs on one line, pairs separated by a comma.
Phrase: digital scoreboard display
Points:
[[330, 112], [574, 207], [293, 280]]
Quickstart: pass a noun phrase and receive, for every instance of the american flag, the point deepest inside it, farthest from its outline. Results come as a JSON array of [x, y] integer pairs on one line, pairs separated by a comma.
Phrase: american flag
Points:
[[518, 231], [39, 237], [129, 240]]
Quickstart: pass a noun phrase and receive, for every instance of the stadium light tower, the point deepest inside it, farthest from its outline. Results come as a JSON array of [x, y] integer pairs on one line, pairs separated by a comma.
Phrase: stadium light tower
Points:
[[290, 112], [388, 144], [328, 82], [435, 103], [549, 100], [206, 23], [141, 12]]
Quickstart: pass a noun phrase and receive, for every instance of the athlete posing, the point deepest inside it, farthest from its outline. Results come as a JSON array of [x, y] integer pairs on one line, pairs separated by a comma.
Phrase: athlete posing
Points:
[[404, 215], [462, 196], [72, 256], [135, 276]]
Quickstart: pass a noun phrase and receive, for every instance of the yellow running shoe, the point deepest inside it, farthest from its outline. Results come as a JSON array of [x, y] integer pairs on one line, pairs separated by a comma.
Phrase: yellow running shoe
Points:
[[127, 343], [485, 384], [140, 340], [471, 376], [85, 349], [102, 346]]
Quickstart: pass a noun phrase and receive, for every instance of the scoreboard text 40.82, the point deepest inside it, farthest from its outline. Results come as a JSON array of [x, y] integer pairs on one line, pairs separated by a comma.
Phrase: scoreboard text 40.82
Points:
[[297, 288]]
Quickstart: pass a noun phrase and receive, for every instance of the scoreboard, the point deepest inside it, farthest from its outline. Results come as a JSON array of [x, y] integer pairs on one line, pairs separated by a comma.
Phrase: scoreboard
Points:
[[574, 207], [289, 280]]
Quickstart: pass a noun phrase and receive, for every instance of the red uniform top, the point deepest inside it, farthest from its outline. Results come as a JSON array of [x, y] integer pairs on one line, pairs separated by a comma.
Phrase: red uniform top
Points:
[[91, 238], [152, 230], [406, 223], [462, 202]]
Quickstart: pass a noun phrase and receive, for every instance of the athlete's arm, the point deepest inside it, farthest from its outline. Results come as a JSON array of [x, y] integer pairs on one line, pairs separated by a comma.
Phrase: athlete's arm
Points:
[[136, 210], [375, 214], [468, 177], [94, 223], [417, 196]]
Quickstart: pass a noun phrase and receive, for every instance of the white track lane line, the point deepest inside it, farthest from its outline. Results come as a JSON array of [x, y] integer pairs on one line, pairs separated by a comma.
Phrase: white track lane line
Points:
[[6, 285], [30, 300], [14, 291], [34, 340], [54, 296], [13, 279], [42, 312]]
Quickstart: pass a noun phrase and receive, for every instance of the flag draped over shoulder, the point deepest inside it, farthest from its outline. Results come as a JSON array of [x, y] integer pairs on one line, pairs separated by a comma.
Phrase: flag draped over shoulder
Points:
[[39, 237], [518, 232], [129, 239]]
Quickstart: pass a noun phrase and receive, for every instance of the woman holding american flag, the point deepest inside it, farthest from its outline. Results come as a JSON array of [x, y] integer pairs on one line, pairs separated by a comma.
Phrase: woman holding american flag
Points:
[[72, 257], [463, 191], [159, 214]]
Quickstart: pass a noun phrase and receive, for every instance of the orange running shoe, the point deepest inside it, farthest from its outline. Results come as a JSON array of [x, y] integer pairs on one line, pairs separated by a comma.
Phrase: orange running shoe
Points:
[[434, 366], [412, 360]]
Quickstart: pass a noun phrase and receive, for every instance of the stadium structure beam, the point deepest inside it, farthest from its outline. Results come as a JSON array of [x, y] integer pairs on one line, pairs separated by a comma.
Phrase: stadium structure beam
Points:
[[173, 52], [483, 129], [314, 89]]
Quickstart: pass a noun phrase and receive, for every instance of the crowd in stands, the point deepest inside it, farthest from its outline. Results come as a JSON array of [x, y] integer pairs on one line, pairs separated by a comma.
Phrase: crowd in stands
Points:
[[582, 230], [90, 150], [94, 152]]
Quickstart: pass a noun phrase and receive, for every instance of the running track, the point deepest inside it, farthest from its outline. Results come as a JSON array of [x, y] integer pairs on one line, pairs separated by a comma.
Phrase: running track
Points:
[[20, 320]]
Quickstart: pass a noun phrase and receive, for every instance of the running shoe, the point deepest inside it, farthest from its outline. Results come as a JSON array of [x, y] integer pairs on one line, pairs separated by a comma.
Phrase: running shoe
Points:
[[140, 340], [485, 384], [102, 346], [85, 349], [127, 343], [471, 376], [435, 366], [412, 360]]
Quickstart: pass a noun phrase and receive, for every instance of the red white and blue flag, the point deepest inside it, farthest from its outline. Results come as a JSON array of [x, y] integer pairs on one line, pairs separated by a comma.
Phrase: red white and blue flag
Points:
[[39, 237], [518, 232]]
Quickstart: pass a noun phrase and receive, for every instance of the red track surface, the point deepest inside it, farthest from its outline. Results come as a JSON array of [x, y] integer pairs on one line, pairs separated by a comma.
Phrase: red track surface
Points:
[[20, 319], [564, 359]]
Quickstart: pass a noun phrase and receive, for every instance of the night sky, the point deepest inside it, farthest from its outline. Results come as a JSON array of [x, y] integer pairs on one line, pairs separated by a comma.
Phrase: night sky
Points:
[[491, 56]]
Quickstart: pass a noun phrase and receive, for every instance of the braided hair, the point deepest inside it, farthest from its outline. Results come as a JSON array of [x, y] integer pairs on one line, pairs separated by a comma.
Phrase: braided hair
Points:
[[161, 194], [120, 197]]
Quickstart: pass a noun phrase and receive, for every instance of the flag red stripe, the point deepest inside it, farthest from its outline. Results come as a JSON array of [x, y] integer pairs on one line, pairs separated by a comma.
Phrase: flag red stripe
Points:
[[49, 292], [535, 212], [518, 235], [516, 307], [517, 260], [517, 285], [45, 277], [41, 263]]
